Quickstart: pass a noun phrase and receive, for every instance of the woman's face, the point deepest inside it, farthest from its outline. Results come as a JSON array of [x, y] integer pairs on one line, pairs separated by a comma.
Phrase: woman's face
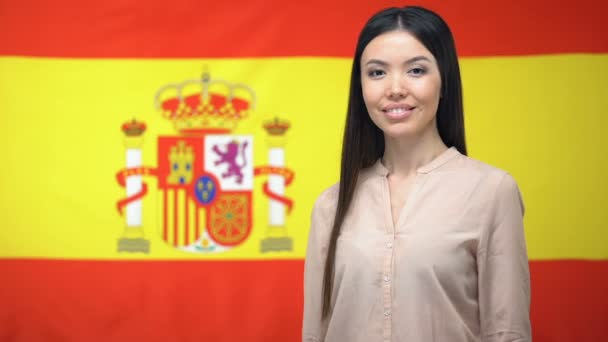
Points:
[[401, 84]]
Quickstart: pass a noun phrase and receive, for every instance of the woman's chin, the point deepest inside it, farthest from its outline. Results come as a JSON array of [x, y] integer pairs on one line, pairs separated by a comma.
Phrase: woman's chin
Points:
[[399, 131]]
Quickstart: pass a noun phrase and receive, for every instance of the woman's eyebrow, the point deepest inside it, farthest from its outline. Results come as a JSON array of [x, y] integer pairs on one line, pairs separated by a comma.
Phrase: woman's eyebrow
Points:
[[409, 61]]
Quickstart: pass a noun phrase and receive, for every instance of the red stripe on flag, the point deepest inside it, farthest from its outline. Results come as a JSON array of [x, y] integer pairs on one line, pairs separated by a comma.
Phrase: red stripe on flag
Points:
[[165, 215], [187, 222], [175, 216], [569, 300], [55, 300], [196, 223], [257, 28]]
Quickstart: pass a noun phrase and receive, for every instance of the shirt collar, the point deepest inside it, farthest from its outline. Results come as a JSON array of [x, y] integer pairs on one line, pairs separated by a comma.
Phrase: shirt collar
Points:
[[441, 159]]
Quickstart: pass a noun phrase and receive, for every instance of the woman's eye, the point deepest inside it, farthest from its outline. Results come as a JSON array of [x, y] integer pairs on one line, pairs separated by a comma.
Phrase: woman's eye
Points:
[[375, 73], [417, 71]]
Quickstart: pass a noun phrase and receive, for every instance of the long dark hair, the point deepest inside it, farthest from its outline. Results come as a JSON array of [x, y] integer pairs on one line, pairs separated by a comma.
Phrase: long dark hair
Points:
[[363, 142]]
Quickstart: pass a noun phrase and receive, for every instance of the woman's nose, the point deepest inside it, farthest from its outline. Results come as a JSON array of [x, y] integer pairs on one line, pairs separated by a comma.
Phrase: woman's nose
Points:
[[396, 88]]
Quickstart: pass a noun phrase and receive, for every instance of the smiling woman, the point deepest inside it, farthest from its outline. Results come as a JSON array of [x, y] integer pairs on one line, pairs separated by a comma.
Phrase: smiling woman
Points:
[[401, 86], [417, 242]]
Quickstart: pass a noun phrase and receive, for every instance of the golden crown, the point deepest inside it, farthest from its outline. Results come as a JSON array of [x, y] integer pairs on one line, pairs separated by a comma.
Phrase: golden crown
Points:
[[133, 128], [276, 126], [205, 105]]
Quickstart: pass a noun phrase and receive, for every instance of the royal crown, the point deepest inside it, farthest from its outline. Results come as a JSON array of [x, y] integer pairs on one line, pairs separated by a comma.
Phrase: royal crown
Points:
[[276, 126], [205, 105], [133, 128]]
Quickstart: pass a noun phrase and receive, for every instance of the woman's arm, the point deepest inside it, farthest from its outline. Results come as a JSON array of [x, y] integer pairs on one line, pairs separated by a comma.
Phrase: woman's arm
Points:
[[502, 261], [314, 266]]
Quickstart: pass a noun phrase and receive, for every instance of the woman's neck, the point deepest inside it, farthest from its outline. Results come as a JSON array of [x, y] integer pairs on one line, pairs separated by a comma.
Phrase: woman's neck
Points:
[[403, 156]]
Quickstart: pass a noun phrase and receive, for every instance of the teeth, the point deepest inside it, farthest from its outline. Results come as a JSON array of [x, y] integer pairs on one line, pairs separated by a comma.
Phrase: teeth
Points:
[[396, 110]]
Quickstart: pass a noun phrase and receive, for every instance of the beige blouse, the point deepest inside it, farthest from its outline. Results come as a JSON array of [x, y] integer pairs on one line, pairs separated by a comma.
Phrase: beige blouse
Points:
[[454, 268]]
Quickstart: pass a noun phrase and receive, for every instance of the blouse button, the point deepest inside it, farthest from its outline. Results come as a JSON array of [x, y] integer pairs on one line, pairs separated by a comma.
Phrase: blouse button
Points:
[[387, 313], [389, 245], [387, 279]]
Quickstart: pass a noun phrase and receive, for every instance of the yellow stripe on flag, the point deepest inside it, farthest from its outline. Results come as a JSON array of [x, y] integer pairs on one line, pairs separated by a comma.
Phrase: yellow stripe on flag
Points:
[[541, 118]]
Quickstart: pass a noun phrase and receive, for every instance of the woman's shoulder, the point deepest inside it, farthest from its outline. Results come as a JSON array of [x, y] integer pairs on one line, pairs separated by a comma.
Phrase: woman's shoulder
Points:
[[497, 181], [482, 167], [323, 213], [489, 172], [328, 199]]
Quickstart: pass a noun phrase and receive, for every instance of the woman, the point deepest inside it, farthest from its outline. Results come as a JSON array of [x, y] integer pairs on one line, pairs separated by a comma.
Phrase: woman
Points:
[[417, 242]]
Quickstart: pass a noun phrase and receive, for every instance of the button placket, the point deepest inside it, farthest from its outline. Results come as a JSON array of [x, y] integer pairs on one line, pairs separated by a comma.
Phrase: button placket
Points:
[[386, 286], [386, 275]]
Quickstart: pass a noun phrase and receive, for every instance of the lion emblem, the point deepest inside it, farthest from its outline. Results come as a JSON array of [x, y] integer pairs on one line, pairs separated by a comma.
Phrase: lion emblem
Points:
[[229, 157]]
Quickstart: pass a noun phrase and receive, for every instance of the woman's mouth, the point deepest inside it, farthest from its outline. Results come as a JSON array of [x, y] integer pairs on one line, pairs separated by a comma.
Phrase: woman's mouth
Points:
[[398, 111]]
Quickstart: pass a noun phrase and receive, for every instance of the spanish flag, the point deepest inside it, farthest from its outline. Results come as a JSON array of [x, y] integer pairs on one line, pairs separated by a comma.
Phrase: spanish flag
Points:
[[160, 160]]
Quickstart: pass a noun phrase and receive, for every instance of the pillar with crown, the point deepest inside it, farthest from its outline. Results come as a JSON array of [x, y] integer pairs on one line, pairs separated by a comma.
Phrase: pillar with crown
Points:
[[133, 239], [277, 238]]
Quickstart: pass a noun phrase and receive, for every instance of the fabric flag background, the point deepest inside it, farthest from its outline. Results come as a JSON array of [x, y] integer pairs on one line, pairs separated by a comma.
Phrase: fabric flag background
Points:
[[72, 73]]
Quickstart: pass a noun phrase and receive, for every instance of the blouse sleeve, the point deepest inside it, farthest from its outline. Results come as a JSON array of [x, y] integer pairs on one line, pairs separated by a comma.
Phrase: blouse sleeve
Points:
[[314, 266], [504, 279]]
